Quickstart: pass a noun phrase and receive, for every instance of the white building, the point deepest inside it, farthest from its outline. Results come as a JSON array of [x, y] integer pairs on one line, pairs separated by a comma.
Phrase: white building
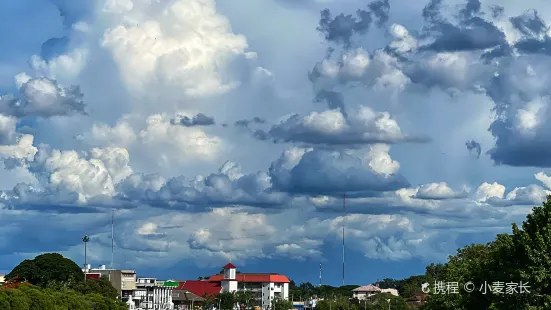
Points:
[[265, 286], [124, 281], [153, 294], [366, 291]]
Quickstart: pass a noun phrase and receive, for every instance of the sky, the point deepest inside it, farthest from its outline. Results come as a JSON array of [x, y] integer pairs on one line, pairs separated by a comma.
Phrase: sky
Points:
[[220, 131]]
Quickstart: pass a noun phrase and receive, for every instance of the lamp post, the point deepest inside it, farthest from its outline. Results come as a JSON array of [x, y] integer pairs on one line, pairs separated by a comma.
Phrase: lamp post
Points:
[[85, 239]]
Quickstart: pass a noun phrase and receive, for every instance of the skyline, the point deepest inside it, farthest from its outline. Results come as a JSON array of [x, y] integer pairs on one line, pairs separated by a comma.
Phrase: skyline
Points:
[[222, 131]]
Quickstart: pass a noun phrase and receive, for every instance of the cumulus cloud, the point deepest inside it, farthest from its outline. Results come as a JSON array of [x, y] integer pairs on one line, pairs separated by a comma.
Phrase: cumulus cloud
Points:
[[318, 171], [331, 127], [438, 191], [43, 97]]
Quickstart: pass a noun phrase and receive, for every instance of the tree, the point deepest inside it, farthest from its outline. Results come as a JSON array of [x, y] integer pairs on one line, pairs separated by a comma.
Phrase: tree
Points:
[[522, 256], [281, 304], [210, 301], [48, 270], [226, 300], [4, 301], [244, 298], [100, 286], [389, 283]]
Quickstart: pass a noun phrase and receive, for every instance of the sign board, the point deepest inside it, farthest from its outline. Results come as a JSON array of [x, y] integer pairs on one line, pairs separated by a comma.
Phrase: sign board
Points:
[[171, 284]]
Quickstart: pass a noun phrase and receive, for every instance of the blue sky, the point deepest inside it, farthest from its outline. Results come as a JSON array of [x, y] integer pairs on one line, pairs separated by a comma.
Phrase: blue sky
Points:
[[223, 130]]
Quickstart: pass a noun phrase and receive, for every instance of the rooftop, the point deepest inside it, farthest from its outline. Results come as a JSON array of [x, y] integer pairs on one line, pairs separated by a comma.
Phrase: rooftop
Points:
[[200, 288], [229, 266], [253, 278], [367, 288]]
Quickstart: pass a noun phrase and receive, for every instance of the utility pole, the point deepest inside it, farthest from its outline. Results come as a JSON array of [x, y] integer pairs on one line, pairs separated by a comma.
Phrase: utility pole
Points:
[[320, 274], [112, 242], [343, 219], [85, 239]]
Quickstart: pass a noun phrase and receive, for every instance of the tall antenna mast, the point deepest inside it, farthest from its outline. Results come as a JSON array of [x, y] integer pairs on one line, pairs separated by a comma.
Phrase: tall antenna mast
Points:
[[343, 219], [112, 236], [320, 274]]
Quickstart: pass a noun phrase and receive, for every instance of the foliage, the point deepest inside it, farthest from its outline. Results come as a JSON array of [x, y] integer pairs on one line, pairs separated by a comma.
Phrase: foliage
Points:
[[245, 298], [307, 290], [29, 297], [281, 304], [523, 256], [226, 300], [48, 270], [100, 286]]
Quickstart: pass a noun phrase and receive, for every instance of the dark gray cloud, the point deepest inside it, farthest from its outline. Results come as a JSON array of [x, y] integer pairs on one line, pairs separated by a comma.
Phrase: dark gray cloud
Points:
[[471, 34], [198, 120], [322, 172], [43, 97], [474, 146], [245, 122], [341, 28]]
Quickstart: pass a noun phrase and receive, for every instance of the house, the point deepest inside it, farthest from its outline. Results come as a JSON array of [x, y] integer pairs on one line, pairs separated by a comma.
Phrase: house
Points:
[[151, 293], [2, 278], [366, 291], [124, 281], [391, 291], [190, 294]]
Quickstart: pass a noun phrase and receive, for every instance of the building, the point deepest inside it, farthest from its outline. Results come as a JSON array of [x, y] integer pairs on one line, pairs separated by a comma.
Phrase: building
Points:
[[391, 291], [2, 278], [152, 294], [366, 291], [191, 294], [124, 281], [265, 286]]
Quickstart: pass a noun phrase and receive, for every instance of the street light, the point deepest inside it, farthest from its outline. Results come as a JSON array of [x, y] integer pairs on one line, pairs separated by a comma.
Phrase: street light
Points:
[[85, 239]]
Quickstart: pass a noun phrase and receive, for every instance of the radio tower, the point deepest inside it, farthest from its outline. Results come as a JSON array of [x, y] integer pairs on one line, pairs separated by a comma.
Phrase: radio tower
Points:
[[320, 274], [343, 218]]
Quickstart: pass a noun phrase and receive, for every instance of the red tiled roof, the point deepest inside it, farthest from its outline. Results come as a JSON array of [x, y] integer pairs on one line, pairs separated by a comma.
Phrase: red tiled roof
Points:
[[229, 266], [253, 278], [200, 288]]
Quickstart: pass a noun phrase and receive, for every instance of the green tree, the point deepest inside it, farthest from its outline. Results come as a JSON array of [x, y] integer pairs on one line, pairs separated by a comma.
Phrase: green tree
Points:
[[4, 301], [18, 300], [386, 301], [245, 298], [389, 283], [38, 300], [522, 256], [226, 300], [48, 270], [100, 286], [281, 304]]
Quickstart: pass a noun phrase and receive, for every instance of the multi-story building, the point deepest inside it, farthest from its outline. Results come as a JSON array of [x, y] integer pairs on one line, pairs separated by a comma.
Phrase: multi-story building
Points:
[[124, 281], [265, 286], [153, 294]]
